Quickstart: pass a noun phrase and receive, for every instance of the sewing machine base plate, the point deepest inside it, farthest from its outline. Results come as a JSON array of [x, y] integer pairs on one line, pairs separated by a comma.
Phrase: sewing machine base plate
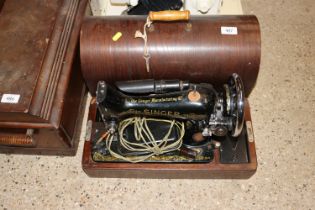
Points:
[[235, 159]]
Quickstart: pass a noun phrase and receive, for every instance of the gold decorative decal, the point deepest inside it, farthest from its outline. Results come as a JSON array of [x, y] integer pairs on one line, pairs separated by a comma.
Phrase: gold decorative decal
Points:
[[156, 112], [155, 100]]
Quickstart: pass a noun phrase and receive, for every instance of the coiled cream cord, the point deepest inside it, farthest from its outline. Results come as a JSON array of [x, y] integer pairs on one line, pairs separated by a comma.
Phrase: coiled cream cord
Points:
[[146, 140]]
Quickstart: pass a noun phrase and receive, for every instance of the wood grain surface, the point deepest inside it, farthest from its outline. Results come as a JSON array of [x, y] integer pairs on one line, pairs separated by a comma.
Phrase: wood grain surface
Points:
[[39, 62], [194, 50]]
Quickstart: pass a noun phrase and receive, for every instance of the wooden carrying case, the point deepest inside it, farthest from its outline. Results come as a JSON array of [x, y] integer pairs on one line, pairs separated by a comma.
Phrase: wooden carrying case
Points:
[[41, 87], [218, 168], [199, 54]]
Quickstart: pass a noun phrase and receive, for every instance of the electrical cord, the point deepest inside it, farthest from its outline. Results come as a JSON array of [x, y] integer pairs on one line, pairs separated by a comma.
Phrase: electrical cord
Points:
[[144, 136]]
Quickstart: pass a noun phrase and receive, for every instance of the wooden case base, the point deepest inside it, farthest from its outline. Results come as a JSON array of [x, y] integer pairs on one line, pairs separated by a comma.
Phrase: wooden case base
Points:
[[215, 169]]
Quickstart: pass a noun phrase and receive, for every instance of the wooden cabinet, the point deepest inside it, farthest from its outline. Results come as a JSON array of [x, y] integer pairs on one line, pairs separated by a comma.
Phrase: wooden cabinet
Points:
[[41, 87]]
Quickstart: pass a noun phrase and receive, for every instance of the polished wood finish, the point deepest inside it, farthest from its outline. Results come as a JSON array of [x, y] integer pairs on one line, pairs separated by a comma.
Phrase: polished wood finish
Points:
[[169, 15], [194, 50], [40, 63], [214, 169], [1, 4]]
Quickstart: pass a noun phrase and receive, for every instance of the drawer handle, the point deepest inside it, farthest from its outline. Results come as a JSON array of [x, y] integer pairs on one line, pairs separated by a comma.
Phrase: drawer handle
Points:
[[22, 140]]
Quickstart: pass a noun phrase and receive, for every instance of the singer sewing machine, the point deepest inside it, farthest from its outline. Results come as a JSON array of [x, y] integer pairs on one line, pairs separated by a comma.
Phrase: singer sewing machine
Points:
[[167, 120], [173, 107], [182, 124]]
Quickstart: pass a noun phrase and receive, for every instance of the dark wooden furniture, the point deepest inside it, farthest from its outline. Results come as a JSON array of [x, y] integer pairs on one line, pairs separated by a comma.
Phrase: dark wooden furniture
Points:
[[214, 169], [1, 4], [197, 50], [40, 74]]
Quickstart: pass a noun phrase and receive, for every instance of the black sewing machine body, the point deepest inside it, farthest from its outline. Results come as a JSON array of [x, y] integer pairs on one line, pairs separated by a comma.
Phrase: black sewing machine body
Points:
[[207, 116], [176, 104]]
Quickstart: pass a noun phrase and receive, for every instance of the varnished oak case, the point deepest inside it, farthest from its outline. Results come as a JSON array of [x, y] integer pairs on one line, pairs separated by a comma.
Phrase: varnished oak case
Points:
[[197, 51], [39, 65], [214, 169]]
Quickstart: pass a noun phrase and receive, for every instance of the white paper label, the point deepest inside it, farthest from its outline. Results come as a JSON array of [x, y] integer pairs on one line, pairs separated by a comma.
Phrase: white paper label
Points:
[[228, 30], [10, 98]]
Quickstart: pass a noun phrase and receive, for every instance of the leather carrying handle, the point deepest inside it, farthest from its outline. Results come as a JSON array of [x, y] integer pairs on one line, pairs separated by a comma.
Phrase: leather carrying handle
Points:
[[169, 15]]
